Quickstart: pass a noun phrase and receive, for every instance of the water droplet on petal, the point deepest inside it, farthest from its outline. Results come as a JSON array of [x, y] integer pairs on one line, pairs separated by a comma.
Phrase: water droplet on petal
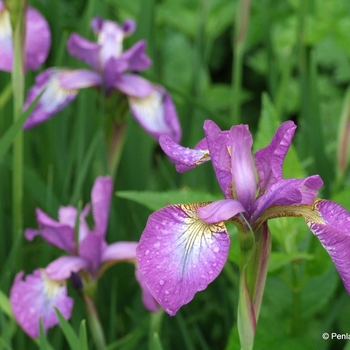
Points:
[[161, 282]]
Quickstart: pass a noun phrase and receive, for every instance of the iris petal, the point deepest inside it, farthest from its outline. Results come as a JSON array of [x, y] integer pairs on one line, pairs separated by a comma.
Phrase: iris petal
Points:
[[243, 171], [156, 113], [101, 195], [183, 157], [35, 298], [53, 232], [269, 160], [218, 144], [179, 254], [334, 234], [221, 210]]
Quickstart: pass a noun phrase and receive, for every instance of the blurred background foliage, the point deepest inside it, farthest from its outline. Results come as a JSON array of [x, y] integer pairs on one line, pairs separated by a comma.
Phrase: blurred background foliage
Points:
[[278, 60]]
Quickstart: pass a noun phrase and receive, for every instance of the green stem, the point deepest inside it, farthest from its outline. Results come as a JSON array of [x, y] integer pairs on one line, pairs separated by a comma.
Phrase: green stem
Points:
[[255, 250], [18, 77], [296, 301], [94, 323]]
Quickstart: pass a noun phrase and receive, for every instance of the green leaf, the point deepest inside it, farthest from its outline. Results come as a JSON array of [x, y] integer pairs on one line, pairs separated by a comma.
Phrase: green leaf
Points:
[[5, 304], [158, 200], [7, 140], [68, 331], [279, 259], [83, 343], [43, 343]]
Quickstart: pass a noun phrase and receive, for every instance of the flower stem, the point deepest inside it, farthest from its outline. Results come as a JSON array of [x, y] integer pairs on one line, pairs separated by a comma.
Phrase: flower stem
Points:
[[255, 250], [17, 13], [94, 323]]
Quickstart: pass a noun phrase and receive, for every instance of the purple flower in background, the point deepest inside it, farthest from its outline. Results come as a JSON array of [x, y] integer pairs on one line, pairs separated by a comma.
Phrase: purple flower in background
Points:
[[87, 259], [184, 247], [113, 70], [37, 39]]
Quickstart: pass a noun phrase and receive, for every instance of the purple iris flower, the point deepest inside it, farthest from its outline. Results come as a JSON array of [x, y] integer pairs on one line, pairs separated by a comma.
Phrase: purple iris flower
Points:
[[184, 247], [88, 257], [37, 39], [114, 70]]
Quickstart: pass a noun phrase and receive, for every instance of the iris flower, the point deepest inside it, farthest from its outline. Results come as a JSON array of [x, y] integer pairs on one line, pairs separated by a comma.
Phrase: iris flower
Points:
[[113, 70], [35, 297], [184, 247], [37, 39]]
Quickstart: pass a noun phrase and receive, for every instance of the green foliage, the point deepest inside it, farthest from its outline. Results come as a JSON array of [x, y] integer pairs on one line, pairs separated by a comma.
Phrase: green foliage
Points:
[[294, 64]]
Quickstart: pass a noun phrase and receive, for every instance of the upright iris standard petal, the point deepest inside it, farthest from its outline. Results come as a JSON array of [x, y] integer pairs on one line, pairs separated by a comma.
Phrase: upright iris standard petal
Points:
[[269, 160], [37, 39], [179, 254], [183, 157], [334, 233], [242, 165], [35, 298], [156, 114], [218, 144], [101, 195], [59, 88]]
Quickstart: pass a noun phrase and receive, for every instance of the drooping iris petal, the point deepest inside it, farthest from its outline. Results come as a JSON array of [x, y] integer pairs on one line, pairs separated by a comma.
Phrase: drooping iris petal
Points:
[[84, 50], [147, 298], [334, 234], [183, 157], [219, 211], [287, 192], [35, 298], [101, 195], [242, 165], [156, 114], [62, 268], [133, 85], [60, 88], [218, 147], [269, 160], [53, 232], [120, 251], [179, 254], [37, 39]]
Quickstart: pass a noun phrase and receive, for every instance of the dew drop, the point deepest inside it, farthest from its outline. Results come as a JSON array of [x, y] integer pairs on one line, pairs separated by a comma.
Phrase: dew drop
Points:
[[161, 282], [147, 252], [216, 249]]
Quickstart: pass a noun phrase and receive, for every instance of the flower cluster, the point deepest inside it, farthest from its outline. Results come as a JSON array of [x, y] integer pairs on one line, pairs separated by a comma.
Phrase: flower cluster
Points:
[[88, 257], [113, 70], [184, 247]]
